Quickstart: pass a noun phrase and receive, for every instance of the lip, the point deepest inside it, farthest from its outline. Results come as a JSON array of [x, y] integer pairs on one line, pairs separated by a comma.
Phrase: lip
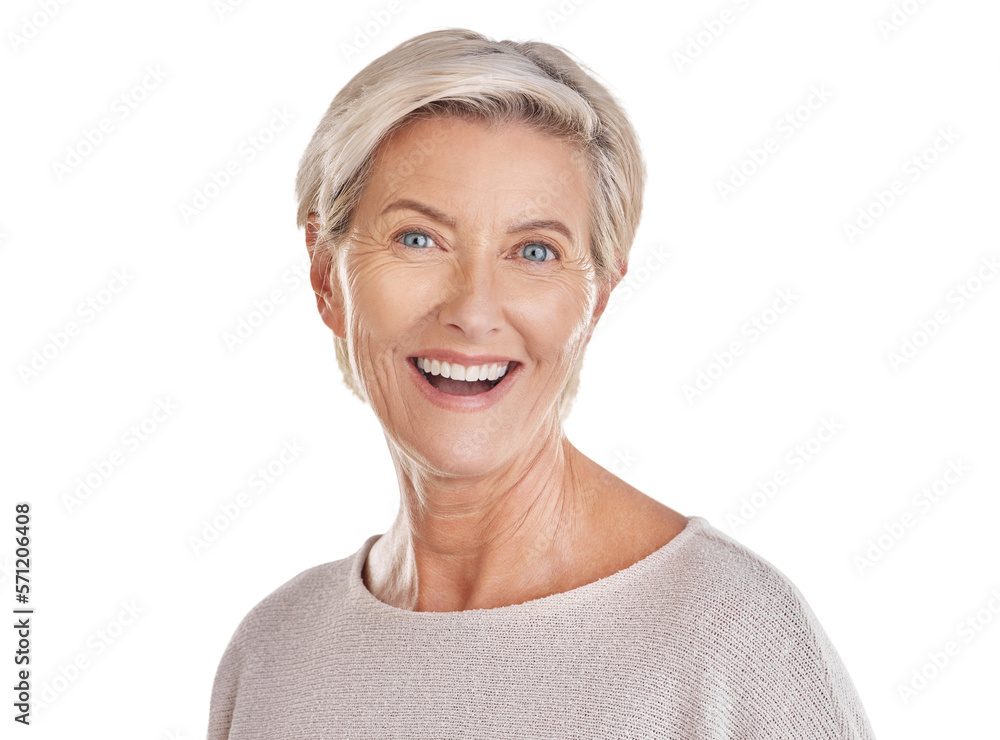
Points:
[[444, 355], [464, 403]]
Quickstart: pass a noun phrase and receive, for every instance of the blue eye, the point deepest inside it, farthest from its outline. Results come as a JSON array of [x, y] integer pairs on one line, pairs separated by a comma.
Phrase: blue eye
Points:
[[535, 251], [421, 241]]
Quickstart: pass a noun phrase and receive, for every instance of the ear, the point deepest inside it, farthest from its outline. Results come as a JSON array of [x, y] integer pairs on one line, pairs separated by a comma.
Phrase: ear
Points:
[[325, 283]]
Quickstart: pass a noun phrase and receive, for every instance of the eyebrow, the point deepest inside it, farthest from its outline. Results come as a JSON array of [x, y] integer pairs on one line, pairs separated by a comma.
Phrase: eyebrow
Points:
[[444, 218]]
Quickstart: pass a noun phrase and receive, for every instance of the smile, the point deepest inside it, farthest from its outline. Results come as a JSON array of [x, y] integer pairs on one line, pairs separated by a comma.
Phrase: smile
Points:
[[459, 380]]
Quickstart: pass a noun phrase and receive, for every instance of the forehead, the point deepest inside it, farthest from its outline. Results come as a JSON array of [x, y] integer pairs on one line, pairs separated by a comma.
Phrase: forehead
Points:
[[509, 162]]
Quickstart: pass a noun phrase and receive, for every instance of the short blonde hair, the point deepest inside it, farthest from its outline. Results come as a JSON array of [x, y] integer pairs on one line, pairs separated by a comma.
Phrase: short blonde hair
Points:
[[463, 73]]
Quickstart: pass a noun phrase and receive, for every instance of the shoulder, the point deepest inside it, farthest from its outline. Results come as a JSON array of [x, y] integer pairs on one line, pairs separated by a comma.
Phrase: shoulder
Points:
[[293, 616], [719, 575], [737, 587], [294, 606], [731, 566], [744, 622]]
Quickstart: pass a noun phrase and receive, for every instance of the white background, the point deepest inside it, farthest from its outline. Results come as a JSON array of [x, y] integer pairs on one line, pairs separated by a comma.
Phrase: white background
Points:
[[190, 281]]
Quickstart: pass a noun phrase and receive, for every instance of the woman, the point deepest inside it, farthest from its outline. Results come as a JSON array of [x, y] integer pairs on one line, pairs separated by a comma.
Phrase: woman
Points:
[[469, 206]]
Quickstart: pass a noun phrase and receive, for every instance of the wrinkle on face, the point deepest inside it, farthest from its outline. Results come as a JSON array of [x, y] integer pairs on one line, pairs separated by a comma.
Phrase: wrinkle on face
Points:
[[471, 291]]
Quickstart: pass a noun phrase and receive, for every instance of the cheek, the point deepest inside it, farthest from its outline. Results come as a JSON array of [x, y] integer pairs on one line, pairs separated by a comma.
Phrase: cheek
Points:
[[553, 315], [385, 299]]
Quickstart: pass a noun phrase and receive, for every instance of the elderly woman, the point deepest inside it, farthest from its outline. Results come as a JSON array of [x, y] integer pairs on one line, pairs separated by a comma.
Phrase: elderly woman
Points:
[[469, 206]]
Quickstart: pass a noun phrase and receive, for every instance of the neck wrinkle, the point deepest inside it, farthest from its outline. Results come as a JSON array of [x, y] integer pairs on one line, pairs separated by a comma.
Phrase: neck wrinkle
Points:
[[478, 543]]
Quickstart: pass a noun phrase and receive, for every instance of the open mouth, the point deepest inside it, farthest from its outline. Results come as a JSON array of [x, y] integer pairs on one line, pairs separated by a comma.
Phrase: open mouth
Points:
[[460, 387]]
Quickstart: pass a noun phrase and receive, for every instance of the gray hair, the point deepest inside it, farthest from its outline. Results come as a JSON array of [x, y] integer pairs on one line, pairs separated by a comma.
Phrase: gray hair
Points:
[[463, 73]]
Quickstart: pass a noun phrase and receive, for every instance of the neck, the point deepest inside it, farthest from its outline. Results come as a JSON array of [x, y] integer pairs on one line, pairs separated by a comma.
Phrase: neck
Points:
[[479, 543]]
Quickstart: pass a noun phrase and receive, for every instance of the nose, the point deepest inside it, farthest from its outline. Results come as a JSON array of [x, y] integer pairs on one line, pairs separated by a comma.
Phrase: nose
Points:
[[473, 301]]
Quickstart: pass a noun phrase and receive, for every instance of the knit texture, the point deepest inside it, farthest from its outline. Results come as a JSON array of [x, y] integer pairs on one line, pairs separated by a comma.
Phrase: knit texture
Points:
[[701, 639]]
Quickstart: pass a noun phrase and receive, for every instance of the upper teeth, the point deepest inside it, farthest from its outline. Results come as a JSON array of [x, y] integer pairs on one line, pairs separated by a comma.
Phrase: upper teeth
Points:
[[460, 372]]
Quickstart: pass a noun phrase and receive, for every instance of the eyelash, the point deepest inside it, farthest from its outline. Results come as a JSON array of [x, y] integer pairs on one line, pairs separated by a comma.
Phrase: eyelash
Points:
[[548, 245]]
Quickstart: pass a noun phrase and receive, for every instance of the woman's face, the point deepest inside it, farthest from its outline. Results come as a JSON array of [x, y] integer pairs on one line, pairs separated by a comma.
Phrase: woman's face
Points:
[[468, 247]]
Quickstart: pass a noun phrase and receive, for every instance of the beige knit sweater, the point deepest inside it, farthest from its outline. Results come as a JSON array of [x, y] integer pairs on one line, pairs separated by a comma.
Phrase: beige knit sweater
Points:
[[701, 639]]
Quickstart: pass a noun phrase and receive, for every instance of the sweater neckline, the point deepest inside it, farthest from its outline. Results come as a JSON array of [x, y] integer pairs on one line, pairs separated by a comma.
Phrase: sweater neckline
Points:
[[587, 592]]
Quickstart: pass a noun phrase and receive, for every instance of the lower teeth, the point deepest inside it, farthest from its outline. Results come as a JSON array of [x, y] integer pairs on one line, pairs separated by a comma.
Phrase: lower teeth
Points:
[[492, 383]]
